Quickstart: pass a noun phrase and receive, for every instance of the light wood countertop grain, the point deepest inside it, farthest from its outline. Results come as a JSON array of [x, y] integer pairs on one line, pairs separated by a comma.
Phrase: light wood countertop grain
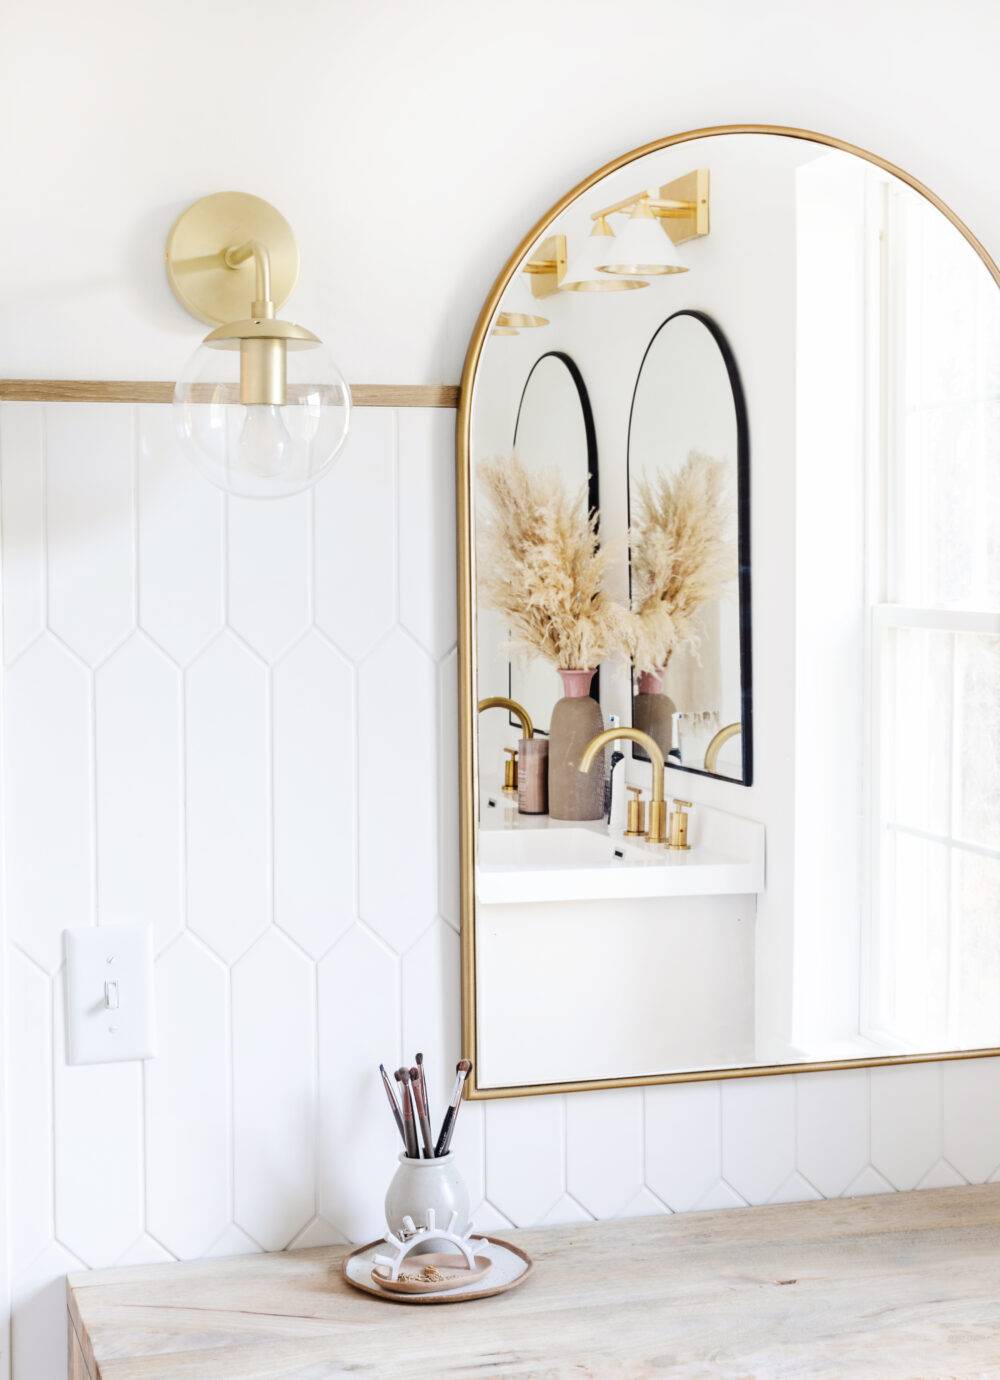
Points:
[[896, 1285]]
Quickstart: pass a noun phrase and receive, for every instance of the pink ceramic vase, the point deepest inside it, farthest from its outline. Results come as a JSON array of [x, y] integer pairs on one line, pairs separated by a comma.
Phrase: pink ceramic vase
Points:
[[576, 719]]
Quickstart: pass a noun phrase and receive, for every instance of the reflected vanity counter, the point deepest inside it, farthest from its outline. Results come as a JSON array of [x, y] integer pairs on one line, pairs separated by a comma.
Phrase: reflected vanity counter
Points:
[[570, 915]]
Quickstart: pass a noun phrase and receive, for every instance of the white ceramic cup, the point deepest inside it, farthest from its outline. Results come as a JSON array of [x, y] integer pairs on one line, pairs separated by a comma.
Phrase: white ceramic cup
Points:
[[421, 1184]]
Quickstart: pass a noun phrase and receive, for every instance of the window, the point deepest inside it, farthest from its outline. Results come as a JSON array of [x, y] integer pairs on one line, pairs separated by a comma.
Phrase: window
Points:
[[933, 969]]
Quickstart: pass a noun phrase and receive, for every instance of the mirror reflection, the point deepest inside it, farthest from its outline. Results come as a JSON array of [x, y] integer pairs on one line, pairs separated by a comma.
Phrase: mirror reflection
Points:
[[687, 474], [785, 351]]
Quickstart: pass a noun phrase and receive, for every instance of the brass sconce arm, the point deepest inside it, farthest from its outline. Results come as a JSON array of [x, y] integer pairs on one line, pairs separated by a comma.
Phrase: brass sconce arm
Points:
[[263, 303], [518, 710]]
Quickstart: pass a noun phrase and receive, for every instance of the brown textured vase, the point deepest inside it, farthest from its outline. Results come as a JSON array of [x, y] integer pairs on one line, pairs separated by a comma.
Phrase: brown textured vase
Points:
[[576, 719], [653, 712]]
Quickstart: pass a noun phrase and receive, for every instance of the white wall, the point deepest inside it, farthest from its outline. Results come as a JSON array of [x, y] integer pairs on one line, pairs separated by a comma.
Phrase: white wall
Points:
[[470, 120]]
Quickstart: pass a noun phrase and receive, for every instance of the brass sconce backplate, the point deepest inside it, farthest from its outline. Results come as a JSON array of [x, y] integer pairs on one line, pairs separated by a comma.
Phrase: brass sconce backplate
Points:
[[201, 279], [547, 266], [687, 224]]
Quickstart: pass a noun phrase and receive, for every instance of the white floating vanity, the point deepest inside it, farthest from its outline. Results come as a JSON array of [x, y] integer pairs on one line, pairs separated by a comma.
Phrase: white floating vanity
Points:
[[535, 858], [572, 988]]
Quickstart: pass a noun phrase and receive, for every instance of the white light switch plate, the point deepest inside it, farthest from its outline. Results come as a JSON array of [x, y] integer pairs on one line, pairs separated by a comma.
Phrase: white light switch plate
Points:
[[110, 1012]]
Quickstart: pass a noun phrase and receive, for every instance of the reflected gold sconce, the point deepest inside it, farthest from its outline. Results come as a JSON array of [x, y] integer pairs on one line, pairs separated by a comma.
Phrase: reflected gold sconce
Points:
[[608, 263], [261, 409]]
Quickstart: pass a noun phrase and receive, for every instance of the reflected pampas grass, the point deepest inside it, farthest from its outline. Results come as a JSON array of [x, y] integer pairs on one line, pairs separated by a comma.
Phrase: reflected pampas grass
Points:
[[541, 566], [683, 557]]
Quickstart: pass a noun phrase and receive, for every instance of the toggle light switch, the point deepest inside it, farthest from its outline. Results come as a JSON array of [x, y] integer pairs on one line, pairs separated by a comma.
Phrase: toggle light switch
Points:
[[109, 994]]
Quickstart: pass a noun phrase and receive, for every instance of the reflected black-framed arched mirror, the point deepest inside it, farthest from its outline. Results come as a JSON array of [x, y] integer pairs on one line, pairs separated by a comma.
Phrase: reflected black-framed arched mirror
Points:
[[688, 440], [554, 430]]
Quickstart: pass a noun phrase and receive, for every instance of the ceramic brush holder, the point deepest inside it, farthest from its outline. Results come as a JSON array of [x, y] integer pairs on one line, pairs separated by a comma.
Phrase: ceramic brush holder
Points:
[[421, 1185]]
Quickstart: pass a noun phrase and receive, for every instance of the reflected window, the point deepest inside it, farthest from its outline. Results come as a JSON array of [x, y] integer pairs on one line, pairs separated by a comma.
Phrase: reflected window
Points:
[[935, 637]]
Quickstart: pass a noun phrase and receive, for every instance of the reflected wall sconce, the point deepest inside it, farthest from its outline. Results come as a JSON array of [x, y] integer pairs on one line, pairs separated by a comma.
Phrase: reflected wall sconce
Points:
[[517, 314], [585, 271], [261, 408], [606, 262]]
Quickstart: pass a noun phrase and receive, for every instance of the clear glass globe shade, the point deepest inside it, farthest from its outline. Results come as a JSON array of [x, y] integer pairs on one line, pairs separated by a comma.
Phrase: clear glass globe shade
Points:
[[262, 451]]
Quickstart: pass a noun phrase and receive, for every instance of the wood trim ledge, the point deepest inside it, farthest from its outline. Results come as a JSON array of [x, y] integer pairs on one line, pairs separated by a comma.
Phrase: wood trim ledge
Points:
[[102, 390]]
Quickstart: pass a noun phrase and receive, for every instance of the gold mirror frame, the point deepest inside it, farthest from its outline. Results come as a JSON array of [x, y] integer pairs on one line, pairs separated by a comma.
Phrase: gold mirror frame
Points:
[[466, 703]]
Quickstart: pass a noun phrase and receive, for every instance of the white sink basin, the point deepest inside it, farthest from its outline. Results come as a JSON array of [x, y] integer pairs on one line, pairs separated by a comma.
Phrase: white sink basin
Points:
[[524, 858], [548, 848]]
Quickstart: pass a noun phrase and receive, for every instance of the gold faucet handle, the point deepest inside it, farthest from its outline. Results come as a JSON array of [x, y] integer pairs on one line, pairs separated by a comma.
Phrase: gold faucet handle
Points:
[[678, 840], [636, 814], [510, 770]]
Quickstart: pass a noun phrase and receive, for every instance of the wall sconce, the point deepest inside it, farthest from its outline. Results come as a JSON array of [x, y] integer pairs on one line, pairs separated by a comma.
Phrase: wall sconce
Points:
[[261, 408], [605, 262], [517, 315], [585, 270], [641, 249]]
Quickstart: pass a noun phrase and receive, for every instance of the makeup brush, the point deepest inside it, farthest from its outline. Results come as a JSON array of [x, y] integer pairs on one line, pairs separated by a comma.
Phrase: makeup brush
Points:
[[392, 1101], [417, 1084], [462, 1071], [419, 1060], [410, 1130]]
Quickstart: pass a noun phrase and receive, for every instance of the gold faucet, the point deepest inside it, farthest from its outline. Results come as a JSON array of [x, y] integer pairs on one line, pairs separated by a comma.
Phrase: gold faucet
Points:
[[715, 746], [657, 832], [518, 710]]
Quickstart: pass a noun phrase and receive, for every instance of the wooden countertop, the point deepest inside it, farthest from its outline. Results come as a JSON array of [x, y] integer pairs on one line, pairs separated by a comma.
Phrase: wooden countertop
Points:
[[898, 1285]]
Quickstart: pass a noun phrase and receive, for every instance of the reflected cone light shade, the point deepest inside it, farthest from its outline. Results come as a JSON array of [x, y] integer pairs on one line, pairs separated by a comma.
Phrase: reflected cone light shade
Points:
[[642, 249], [584, 270]]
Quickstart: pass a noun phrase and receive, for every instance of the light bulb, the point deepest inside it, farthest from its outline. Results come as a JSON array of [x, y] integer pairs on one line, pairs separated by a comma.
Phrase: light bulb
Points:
[[264, 447]]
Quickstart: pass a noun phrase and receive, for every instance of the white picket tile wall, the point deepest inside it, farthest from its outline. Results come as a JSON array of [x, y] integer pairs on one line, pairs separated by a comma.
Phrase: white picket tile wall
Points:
[[237, 721]]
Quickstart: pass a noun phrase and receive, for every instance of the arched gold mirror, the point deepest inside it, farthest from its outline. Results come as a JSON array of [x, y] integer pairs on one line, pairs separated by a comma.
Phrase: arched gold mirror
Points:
[[841, 907]]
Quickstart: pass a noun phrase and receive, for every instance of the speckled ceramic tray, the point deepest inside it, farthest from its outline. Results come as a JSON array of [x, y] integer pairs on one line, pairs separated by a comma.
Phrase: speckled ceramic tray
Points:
[[510, 1267]]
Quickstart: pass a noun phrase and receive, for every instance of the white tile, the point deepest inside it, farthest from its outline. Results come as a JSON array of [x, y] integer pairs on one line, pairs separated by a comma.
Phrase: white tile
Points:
[[228, 830], [524, 1157], [232, 1242], [565, 1213], [358, 1030], [90, 510], [683, 1142], [47, 806], [180, 542], [187, 1102], [906, 1130], [22, 482], [356, 535], [469, 1144], [971, 1090], [29, 1110], [318, 1233], [758, 1135], [38, 1322], [397, 771], [98, 1153], [269, 570], [274, 1091], [604, 1149], [487, 1219], [644, 1204], [139, 776], [795, 1189], [942, 1175], [314, 794], [432, 999], [719, 1196], [869, 1181], [448, 799], [145, 1251], [427, 526], [832, 1128]]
